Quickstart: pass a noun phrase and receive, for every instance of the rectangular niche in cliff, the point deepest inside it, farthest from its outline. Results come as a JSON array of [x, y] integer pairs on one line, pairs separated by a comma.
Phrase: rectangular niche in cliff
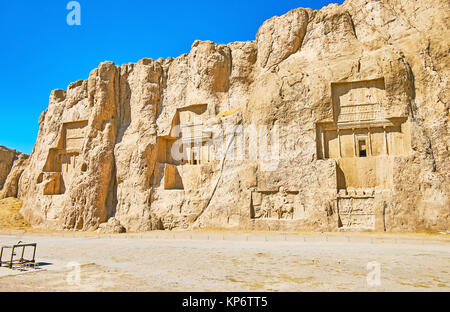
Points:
[[359, 128], [62, 160], [74, 134], [172, 178], [164, 150], [390, 138], [194, 138], [53, 183], [362, 146], [358, 101], [197, 154], [69, 161]]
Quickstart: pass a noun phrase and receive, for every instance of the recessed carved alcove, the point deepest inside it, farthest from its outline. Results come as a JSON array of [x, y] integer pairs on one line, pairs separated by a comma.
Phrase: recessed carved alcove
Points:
[[390, 139], [359, 128], [195, 141], [194, 145], [364, 143], [62, 160], [172, 178], [360, 138], [358, 101]]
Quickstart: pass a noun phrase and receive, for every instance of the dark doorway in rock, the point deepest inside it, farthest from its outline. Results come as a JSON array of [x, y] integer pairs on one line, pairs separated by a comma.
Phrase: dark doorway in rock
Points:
[[362, 147]]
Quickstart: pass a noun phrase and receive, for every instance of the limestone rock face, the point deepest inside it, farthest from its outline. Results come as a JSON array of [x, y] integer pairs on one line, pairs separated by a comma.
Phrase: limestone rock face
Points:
[[11, 185], [6, 161], [210, 66], [12, 164], [331, 120], [280, 37]]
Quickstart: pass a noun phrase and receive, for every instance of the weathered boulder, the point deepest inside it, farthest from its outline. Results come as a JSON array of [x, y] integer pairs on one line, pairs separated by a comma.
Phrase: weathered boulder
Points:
[[113, 226]]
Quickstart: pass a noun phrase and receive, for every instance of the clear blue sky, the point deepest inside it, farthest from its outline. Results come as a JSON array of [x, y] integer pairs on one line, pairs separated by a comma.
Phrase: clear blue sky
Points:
[[40, 52]]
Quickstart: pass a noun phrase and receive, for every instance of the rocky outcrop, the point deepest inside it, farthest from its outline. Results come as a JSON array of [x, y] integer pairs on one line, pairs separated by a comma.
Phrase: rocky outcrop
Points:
[[12, 164], [11, 185], [7, 157], [113, 226], [280, 37], [351, 100]]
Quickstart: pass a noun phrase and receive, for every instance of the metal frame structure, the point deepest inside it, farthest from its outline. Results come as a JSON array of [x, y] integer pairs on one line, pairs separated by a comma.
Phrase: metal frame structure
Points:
[[21, 261]]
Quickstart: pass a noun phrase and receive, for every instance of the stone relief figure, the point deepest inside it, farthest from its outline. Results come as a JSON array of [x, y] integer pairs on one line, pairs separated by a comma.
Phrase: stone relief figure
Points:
[[288, 212], [279, 203], [278, 206], [266, 208], [287, 207], [283, 207]]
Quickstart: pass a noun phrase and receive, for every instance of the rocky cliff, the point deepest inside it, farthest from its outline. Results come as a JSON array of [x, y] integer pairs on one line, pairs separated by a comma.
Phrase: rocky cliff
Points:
[[7, 157], [351, 101], [12, 164]]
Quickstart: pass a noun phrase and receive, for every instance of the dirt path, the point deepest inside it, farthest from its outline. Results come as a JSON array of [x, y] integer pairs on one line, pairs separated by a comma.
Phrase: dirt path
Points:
[[232, 262]]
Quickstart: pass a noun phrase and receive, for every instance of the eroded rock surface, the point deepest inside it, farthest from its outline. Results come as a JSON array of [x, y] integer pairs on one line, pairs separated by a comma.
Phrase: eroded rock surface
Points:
[[7, 157], [12, 164], [113, 226], [356, 96]]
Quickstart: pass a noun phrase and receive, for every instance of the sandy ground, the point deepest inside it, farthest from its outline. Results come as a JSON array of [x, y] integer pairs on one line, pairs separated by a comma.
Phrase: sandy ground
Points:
[[216, 261]]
